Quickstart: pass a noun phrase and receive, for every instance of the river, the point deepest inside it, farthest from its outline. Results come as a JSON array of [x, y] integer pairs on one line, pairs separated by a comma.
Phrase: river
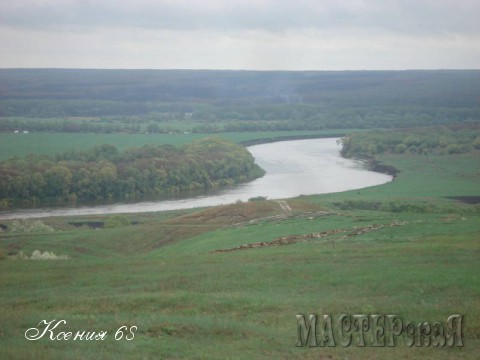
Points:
[[293, 168]]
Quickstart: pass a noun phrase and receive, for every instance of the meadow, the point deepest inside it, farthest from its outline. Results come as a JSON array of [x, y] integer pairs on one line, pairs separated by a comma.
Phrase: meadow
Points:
[[227, 282], [402, 248], [12, 144]]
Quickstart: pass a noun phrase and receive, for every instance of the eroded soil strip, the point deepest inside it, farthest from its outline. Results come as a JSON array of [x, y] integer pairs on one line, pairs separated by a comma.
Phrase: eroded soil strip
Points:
[[291, 239]]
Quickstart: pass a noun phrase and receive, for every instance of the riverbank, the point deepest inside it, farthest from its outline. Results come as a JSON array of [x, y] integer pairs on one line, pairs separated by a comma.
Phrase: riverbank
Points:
[[295, 167], [378, 166], [290, 137]]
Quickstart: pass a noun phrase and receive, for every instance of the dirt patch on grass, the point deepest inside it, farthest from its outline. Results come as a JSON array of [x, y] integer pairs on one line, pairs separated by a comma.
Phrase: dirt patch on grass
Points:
[[198, 222], [228, 214], [239, 214]]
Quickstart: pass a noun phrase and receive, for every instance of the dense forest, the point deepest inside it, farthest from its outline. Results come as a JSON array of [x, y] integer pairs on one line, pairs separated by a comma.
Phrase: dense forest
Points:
[[105, 173], [439, 140], [216, 101]]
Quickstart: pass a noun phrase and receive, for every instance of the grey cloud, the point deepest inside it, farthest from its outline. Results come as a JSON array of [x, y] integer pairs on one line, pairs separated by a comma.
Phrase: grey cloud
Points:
[[402, 16]]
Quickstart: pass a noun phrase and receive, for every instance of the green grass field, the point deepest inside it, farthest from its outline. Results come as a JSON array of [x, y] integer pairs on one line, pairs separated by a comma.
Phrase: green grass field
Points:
[[51, 143], [189, 302]]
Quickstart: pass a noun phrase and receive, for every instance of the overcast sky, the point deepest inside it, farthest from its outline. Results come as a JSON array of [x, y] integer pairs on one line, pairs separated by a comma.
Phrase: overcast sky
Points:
[[241, 34]]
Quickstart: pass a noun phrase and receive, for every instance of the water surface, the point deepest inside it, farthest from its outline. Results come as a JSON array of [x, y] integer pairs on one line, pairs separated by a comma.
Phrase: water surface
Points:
[[297, 167]]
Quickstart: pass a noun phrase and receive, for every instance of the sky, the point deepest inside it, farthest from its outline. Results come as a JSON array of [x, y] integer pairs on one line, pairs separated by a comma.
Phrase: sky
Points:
[[240, 34]]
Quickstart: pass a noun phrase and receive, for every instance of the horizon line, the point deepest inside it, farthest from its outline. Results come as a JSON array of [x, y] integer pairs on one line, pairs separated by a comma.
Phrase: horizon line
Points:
[[252, 70]]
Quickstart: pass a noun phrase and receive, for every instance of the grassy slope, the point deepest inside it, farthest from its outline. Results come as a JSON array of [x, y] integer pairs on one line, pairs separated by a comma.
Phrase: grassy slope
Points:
[[423, 178], [189, 303]]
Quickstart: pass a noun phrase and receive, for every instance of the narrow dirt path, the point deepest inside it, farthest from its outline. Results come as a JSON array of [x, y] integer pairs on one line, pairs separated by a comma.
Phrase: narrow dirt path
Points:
[[284, 205]]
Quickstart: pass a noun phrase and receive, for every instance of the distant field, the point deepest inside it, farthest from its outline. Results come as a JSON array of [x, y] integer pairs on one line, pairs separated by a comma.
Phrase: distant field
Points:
[[421, 263], [51, 143]]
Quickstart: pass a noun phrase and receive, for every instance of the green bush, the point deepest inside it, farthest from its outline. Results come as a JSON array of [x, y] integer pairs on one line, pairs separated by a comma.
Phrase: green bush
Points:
[[476, 143], [358, 205], [28, 226], [258, 198], [4, 204], [400, 148], [116, 221]]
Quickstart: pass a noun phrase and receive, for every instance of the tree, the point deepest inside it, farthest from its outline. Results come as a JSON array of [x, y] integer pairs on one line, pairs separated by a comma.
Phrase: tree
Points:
[[58, 180]]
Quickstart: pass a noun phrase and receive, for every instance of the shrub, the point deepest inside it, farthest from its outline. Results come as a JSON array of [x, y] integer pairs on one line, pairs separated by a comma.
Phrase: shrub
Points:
[[397, 207], [28, 226], [358, 205], [400, 148], [411, 140], [258, 198], [476, 143], [117, 220], [4, 204], [454, 149], [372, 149]]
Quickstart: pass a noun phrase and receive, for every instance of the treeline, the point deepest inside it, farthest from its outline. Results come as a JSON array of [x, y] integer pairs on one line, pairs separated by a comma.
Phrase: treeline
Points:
[[69, 126], [217, 101], [104, 173], [314, 117], [439, 140], [209, 119], [48, 108]]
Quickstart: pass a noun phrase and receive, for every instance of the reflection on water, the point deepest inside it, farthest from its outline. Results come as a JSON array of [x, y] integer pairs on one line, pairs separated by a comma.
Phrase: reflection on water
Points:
[[293, 168]]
